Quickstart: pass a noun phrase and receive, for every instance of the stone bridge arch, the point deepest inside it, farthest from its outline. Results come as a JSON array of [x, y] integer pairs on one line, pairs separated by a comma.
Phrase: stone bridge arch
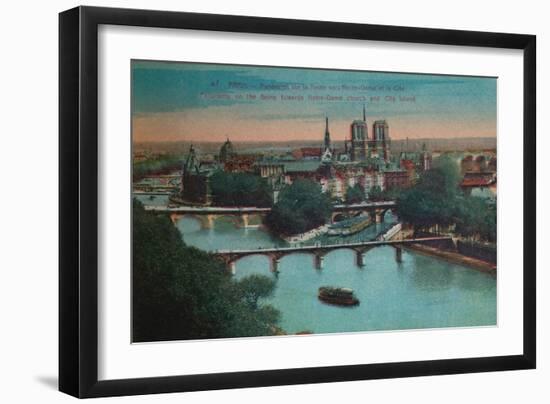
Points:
[[207, 221], [380, 213], [274, 258], [337, 216], [318, 256], [320, 251], [358, 251]]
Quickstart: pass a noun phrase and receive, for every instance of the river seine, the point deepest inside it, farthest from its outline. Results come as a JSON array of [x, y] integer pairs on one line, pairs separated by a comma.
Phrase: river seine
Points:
[[420, 292]]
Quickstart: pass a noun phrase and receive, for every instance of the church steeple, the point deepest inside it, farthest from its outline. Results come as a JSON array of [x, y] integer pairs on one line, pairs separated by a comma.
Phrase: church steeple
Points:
[[364, 114], [191, 163], [327, 134]]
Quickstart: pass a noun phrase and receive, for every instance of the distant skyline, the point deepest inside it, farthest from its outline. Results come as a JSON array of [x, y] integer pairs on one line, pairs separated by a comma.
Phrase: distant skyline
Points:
[[204, 102]]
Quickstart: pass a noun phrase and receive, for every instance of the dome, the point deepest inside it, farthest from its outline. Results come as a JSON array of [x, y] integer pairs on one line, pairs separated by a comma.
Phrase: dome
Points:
[[226, 151]]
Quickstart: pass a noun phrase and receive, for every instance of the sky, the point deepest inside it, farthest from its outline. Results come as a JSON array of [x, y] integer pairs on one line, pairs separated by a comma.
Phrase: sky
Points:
[[181, 101]]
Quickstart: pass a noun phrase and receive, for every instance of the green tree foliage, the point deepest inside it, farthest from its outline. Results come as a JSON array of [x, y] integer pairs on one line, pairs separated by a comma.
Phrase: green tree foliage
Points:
[[432, 201], [443, 178], [301, 206], [437, 200], [476, 218], [391, 194], [155, 166], [355, 194], [239, 189], [181, 292], [376, 194], [254, 287]]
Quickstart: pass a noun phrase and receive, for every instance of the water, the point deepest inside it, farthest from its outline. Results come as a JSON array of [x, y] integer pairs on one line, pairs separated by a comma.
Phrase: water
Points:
[[420, 292], [369, 233]]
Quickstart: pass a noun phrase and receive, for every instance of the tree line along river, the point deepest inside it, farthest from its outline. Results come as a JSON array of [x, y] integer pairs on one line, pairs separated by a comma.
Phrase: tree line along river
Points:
[[420, 292]]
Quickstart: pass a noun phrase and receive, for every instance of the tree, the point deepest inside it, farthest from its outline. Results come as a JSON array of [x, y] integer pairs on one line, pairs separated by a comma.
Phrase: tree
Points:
[[376, 194], [239, 189], [355, 194], [154, 166], [437, 200], [254, 287], [432, 201], [301, 206], [181, 292], [476, 218], [444, 178], [424, 210]]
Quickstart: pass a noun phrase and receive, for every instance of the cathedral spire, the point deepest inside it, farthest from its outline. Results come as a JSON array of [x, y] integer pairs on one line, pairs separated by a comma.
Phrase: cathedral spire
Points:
[[327, 134], [364, 114]]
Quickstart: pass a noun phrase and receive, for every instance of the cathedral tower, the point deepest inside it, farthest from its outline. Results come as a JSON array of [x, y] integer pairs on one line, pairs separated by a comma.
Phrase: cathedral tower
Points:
[[327, 134], [359, 138]]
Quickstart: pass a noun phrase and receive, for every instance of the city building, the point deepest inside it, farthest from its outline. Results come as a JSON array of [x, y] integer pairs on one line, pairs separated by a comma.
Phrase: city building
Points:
[[267, 168], [307, 153], [481, 163], [380, 144], [372, 178], [358, 139], [480, 184], [492, 165], [422, 160], [363, 161], [195, 181], [360, 147], [410, 168], [467, 164], [240, 164], [396, 179], [326, 158], [227, 151]]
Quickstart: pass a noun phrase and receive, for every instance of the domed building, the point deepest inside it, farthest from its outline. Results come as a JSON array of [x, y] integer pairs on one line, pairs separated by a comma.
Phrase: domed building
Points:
[[226, 151]]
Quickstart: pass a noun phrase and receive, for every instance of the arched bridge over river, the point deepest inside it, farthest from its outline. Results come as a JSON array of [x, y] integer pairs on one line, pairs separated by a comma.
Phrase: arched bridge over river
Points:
[[230, 257], [243, 216]]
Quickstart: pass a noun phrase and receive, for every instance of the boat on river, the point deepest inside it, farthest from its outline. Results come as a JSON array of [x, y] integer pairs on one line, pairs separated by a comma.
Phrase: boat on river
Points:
[[337, 296]]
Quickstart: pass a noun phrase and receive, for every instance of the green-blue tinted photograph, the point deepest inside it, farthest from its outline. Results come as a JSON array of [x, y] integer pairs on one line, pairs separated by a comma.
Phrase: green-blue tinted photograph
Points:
[[285, 201]]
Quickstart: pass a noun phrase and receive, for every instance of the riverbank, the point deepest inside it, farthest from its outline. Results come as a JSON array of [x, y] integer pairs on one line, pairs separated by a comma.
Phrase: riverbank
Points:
[[454, 257], [308, 235], [465, 297]]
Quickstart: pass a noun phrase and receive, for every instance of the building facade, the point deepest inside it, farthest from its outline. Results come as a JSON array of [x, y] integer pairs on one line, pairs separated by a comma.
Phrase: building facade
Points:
[[364, 161], [195, 181]]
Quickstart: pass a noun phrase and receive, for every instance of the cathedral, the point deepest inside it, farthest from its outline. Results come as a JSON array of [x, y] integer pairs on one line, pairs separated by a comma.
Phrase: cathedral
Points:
[[364, 160], [360, 147]]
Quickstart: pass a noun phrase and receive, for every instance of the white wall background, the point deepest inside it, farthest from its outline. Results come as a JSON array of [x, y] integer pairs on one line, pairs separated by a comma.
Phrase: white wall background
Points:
[[28, 175]]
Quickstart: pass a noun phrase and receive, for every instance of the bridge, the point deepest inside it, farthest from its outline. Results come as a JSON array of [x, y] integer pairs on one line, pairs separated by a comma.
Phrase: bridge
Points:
[[164, 183], [163, 176], [152, 193], [243, 216], [230, 257], [377, 210]]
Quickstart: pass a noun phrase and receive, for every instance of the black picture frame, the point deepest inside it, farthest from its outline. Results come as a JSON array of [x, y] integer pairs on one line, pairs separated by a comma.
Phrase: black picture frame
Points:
[[78, 201]]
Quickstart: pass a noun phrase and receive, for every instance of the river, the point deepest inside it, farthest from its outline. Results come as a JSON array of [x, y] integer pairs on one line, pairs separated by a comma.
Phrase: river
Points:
[[419, 292]]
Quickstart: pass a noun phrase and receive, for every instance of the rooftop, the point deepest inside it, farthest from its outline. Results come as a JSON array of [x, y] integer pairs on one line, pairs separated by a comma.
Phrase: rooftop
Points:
[[478, 179], [302, 166]]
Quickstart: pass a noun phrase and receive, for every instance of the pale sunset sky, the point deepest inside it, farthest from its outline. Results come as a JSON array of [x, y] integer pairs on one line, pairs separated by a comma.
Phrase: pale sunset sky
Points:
[[206, 102]]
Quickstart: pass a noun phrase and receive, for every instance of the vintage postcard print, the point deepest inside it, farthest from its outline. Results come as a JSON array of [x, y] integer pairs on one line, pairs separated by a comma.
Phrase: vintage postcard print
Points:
[[270, 201]]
